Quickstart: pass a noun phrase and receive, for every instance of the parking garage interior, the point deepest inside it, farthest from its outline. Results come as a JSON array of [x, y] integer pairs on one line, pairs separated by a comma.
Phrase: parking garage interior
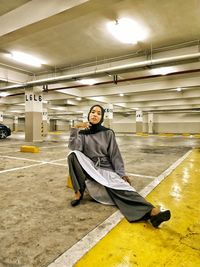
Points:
[[150, 89]]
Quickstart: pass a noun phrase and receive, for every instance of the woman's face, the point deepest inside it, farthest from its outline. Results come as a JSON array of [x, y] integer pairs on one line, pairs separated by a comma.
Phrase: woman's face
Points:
[[95, 115]]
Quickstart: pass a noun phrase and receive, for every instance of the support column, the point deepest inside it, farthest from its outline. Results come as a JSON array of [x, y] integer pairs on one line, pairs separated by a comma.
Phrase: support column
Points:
[[85, 116], [15, 124], [150, 123], [52, 124], [1, 116], [139, 121], [71, 124], [108, 117], [44, 122], [33, 114]]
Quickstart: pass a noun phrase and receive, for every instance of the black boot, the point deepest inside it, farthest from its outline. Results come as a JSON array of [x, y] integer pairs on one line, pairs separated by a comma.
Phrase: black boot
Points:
[[76, 202], [162, 216]]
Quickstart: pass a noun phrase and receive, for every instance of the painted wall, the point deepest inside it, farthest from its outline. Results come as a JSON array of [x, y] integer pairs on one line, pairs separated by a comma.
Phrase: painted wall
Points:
[[177, 123], [163, 123]]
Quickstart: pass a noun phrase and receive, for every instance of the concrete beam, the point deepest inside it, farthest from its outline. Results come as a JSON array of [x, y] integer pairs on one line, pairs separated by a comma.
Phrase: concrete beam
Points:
[[39, 10]]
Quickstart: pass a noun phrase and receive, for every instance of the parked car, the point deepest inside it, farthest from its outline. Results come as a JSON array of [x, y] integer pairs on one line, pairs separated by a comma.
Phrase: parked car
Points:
[[4, 131]]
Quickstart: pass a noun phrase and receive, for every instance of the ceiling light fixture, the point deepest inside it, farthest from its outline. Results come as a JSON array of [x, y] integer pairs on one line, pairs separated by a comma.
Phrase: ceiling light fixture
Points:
[[121, 94], [178, 89], [127, 31], [163, 71], [4, 94], [88, 81], [78, 98], [25, 59]]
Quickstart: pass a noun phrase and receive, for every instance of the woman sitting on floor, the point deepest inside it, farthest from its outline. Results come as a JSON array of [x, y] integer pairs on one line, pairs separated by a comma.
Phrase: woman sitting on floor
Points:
[[96, 163]]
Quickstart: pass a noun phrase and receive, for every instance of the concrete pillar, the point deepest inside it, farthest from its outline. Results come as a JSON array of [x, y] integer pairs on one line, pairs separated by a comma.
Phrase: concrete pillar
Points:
[[52, 125], [33, 114], [71, 124], [1, 116], [48, 124], [44, 122], [150, 123], [139, 121], [15, 124], [108, 117], [85, 116]]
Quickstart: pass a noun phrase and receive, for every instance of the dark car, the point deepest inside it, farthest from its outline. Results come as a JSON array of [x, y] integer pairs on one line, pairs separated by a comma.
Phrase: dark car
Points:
[[4, 131]]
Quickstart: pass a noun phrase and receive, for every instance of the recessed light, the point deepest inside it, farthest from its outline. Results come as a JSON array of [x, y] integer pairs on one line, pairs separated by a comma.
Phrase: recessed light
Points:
[[4, 94], [121, 94], [25, 59], [162, 71], [88, 81], [127, 30]]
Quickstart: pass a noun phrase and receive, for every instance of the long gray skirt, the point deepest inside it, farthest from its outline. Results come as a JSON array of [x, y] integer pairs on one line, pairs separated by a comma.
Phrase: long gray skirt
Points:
[[131, 204]]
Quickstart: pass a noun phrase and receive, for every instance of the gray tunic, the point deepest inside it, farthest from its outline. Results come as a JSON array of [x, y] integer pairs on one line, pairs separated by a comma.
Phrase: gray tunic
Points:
[[101, 148], [100, 158]]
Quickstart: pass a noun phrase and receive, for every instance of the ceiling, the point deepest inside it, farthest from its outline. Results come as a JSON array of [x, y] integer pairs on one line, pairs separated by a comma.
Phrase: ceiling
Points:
[[72, 39]]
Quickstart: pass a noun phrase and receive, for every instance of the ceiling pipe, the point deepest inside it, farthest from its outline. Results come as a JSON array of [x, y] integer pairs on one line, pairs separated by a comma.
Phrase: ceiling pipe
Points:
[[115, 69], [111, 82]]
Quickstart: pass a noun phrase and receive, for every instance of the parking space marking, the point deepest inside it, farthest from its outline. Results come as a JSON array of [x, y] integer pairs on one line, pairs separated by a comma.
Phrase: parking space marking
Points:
[[53, 162], [53, 146], [9, 157], [20, 168], [141, 175]]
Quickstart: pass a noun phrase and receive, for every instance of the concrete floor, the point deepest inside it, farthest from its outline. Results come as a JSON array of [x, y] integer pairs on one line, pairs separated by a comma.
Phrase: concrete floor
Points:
[[37, 222]]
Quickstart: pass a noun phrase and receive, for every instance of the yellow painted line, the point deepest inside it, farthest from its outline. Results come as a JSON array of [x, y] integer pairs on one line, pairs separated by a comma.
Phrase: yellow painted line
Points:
[[186, 134], [176, 243], [167, 134], [55, 133], [142, 134]]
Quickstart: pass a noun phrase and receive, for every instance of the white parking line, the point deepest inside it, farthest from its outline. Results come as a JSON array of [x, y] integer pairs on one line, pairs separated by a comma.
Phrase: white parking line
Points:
[[141, 175], [53, 162], [20, 168], [52, 146], [9, 157]]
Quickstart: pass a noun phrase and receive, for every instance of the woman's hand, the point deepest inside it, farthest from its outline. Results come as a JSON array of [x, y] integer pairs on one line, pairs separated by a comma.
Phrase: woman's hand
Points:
[[127, 179], [83, 125]]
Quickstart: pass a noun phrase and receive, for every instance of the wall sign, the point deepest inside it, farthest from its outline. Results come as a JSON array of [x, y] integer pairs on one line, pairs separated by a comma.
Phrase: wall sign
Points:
[[33, 101], [33, 97], [139, 115]]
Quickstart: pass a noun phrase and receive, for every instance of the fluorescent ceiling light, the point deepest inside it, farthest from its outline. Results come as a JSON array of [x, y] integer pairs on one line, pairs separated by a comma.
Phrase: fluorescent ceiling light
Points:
[[88, 81], [15, 111], [121, 94], [4, 94], [163, 71], [78, 98], [127, 31], [57, 108], [25, 58], [178, 89]]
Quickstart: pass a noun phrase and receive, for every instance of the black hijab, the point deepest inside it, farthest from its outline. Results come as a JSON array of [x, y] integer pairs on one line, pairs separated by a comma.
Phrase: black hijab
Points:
[[95, 128]]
